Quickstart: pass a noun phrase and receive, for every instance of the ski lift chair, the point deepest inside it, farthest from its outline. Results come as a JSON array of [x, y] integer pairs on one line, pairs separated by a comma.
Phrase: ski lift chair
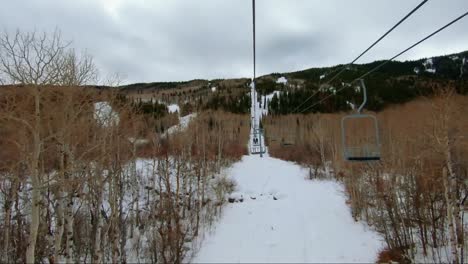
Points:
[[362, 151]]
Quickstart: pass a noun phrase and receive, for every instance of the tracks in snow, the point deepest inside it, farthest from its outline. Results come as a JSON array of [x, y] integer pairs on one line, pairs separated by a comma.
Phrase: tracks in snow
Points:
[[309, 221]]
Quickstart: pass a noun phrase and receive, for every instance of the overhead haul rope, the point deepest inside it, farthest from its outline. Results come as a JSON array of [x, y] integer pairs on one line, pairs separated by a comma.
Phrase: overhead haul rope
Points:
[[389, 60], [364, 52]]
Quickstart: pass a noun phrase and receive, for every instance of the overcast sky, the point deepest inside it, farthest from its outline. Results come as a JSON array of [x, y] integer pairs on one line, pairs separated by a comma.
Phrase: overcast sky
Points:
[[174, 40]]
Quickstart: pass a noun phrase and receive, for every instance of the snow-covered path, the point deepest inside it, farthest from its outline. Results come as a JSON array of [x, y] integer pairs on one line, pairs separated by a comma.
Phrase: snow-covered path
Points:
[[308, 222]]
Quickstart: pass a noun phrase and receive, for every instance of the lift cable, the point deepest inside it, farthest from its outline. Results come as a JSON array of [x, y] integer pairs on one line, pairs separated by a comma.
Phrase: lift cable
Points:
[[253, 109], [344, 67], [387, 61]]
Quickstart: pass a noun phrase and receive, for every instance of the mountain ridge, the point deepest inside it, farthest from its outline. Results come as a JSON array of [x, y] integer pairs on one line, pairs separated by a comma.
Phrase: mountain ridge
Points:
[[315, 71]]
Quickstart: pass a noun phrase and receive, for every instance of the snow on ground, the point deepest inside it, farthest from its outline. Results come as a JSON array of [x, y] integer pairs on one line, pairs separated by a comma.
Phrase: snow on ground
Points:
[[105, 115], [213, 89], [264, 109], [322, 76], [282, 80], [183, 124], [286, 218], [270, 96], [172, 108]]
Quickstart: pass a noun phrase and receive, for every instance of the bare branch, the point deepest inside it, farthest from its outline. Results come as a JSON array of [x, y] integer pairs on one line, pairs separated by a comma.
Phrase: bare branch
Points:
[[43, 59]]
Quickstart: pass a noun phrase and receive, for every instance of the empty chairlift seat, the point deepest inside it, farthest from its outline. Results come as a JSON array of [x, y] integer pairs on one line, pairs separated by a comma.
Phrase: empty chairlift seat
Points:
[[360, 135]]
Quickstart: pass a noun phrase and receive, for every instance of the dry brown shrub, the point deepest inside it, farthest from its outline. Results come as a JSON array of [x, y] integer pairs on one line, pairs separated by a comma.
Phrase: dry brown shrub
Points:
[[391, 256]]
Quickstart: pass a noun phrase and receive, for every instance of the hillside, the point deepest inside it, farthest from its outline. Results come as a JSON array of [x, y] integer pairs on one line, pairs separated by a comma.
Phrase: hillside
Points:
[[396, 82]]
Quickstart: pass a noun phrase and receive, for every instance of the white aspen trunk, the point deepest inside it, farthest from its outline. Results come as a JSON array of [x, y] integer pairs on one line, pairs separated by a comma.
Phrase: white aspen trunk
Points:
[[455, 207], [322, 155], [99, 187], [135, 192], [97, 237], [220, 147], [69, 230], [59, 229], [59, 210], [115, 220], [453, 240], [69, 216], [35, 182]]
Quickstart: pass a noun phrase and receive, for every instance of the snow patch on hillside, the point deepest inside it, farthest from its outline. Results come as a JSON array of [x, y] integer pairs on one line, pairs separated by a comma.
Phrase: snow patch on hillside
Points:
[[282, 80], [322, 76], [172, 108], [270, 96], [105, 115], [183, 124], [285, 218], [428, 63], [264, 109], [429, 66], [213, 89]]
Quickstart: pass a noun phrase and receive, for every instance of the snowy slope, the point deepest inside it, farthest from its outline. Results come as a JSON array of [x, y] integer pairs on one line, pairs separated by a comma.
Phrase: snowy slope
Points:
[[308, 222], [183, 124]]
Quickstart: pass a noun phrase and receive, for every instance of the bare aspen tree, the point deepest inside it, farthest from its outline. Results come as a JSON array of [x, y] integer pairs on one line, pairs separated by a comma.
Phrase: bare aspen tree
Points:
[[38, 59], [445, 144], [77, 70]]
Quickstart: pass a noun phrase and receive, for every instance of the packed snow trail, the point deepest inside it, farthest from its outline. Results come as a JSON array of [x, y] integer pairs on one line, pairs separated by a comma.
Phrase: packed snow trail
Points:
[[286, 218]]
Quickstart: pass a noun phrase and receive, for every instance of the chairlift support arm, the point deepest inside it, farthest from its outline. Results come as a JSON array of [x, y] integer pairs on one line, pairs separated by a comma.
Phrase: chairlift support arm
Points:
[[364, 92]]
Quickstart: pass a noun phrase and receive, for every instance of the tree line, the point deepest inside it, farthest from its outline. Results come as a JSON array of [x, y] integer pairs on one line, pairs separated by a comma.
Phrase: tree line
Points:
[[84, 174]]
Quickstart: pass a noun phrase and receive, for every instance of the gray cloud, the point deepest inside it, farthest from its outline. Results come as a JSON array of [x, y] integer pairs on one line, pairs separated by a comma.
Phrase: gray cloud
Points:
[[179, 39]]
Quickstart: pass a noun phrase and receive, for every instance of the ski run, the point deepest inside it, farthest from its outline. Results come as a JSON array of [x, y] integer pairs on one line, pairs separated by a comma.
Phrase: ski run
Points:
[[279, 215]]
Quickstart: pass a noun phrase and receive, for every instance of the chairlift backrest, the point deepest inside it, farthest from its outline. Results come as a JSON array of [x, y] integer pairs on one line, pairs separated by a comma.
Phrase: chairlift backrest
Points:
[[370, 151]]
